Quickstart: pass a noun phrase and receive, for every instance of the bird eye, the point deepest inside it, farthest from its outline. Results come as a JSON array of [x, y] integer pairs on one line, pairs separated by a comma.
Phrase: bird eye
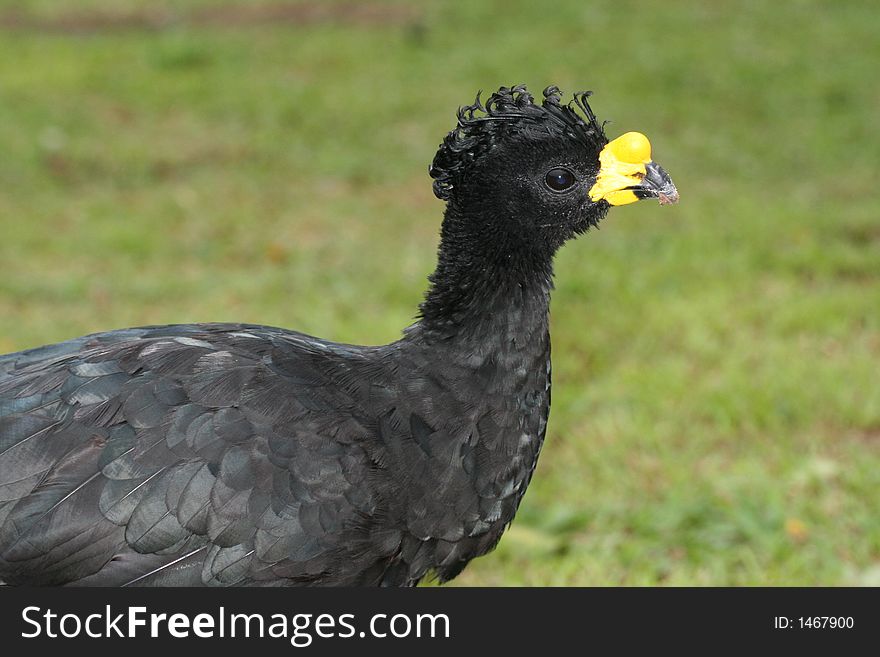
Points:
[[559, 179]]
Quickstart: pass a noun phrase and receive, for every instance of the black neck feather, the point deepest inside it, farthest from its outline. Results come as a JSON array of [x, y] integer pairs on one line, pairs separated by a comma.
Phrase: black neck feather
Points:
[[487, 277]]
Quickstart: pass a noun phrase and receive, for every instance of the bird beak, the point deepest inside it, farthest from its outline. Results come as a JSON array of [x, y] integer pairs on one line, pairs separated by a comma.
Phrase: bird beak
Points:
[[627, 173]]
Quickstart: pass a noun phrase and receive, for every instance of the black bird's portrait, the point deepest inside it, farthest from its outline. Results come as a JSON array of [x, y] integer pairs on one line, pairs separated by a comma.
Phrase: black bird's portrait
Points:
[[279, 282], [238, 454]]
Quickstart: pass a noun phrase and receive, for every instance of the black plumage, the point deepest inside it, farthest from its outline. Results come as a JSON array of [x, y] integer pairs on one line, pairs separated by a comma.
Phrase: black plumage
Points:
[[222, 454]]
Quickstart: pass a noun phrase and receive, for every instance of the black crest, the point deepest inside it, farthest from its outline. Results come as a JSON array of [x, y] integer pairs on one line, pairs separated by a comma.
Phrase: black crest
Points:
[[509, 109]]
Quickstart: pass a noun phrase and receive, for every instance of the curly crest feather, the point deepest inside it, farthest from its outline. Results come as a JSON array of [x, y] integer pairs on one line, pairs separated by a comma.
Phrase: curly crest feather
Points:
[[510, 109]]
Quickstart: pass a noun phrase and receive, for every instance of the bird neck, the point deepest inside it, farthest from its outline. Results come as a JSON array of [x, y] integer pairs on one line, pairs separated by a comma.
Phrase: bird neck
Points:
[[483, 341], [487, 283]]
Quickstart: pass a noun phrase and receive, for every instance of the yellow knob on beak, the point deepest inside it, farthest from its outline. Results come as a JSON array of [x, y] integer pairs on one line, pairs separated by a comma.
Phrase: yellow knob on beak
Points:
[[630, 147], [627, 173]]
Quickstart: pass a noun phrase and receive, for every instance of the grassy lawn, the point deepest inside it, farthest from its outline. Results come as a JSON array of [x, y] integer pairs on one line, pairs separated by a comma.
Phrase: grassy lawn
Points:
[[716, 407]]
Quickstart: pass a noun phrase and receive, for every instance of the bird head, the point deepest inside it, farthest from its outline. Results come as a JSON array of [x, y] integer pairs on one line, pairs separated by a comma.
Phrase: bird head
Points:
[[540, 172]]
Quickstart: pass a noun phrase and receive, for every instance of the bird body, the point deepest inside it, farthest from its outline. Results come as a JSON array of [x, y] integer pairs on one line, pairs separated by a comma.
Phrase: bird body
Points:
[[228, 454], [260, 453]]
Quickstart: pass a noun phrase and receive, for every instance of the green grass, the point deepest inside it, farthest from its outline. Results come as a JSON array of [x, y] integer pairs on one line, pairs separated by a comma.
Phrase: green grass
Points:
[[716, 407]]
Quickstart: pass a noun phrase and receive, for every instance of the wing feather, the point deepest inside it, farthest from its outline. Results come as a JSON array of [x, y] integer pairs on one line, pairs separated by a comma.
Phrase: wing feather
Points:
[[181, 455]]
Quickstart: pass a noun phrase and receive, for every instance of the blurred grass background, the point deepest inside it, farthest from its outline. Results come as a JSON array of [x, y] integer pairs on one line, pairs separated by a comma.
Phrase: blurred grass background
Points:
[[716, 407]]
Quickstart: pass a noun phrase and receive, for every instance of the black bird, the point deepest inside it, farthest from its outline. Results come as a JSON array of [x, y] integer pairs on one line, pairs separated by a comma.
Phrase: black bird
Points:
[[231, 454]]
